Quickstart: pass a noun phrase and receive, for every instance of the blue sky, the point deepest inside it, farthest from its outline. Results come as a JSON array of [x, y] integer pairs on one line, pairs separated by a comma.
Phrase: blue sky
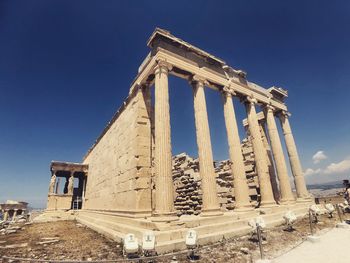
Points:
[[66, 66]]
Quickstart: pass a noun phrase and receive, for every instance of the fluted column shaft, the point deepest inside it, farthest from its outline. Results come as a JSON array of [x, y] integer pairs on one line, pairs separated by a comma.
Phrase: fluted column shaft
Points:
[[241, 189], [206, 165], [260, 156], [164, 197], [280, 161], [293, 158], [269, 161]]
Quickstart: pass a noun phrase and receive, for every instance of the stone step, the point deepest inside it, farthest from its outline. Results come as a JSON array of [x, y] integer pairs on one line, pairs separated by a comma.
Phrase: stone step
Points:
[[205, 239], [49, 216], [229, 225], [172, 237], [208, 234], [106, 231], [118, 228], [194, 221], [124, 220]]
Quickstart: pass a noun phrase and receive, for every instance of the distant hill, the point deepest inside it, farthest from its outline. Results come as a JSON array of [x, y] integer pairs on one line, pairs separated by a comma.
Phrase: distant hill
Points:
[[326, 186]]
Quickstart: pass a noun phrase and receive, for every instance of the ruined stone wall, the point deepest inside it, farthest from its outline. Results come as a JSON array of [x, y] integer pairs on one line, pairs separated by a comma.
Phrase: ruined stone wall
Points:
[[119, 163], [187, 182]]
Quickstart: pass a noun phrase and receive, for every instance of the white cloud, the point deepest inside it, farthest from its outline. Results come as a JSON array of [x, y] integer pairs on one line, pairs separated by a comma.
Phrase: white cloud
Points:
[[310, 171], [332, 169], [337, 168], [319, 156]]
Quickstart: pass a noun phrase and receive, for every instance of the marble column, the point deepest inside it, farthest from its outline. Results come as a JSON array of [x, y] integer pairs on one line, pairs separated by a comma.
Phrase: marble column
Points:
[[269, 161], [206, 165], [164, 195], [14, 214], [65, 189], [260, 155], [52, 184], [241, 189], [280, 161], [71, 184], [57, 185], [6, 215], [84, 187], [295, 164]]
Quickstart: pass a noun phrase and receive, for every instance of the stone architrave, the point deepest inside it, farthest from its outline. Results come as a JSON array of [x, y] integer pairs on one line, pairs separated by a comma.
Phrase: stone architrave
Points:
[[52, 184], [295, 164], [71, 184], [241, 189], [260, 155], [280, 161], [206, 165], [164, 195]]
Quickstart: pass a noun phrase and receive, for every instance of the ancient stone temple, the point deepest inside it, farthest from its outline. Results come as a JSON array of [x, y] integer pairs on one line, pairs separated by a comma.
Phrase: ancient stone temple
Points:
[[129, 180]]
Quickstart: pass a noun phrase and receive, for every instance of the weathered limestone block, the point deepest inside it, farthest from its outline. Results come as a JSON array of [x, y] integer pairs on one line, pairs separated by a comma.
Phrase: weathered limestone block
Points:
[[119, 159]]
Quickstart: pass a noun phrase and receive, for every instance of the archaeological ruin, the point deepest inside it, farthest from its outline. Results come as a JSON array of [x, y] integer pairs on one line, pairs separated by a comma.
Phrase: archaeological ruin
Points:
[[130, 182], [11, 209]]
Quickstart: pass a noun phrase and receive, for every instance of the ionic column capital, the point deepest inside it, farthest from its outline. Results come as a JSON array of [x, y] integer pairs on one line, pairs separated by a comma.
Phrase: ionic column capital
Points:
[[198, 79], [228, 91], [162, 66], [269, 108], [285, 114], [251, 100]]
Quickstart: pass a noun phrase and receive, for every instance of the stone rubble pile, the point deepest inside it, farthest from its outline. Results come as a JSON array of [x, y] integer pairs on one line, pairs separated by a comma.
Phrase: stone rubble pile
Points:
[[224, 184], [249, 162], [12, 226], [187, 182]]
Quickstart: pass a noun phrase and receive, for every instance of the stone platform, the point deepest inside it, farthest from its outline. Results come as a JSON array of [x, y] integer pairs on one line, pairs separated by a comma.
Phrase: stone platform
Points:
[[171, 236], [55, 215]]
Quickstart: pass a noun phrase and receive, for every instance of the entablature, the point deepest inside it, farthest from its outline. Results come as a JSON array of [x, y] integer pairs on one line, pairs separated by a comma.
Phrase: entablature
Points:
[[57, 166]]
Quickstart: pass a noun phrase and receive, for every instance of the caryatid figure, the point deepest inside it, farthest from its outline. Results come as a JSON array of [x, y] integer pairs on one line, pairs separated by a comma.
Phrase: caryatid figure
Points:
[[71, 184], [52, 184]]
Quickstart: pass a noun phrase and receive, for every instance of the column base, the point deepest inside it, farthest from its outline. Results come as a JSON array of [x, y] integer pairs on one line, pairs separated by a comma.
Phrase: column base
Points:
[[164, 217], [211, 212], [287, 202], [304, 200], [243, 209], [267, 204]]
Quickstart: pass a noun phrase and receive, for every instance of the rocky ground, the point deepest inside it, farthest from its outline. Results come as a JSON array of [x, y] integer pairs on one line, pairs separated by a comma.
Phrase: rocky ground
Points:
[[60, 240], [65, 240]]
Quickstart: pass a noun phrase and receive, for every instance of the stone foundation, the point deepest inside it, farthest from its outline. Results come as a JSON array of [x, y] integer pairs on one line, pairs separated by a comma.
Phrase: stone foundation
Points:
[[171, 236]]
